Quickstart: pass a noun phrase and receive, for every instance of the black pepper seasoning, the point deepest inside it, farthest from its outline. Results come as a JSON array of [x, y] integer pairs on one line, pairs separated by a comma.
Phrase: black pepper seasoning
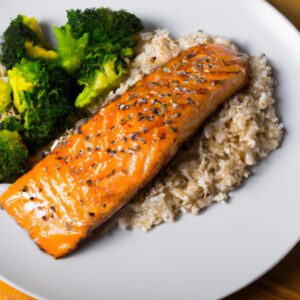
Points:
[[144, 129], [190, 101], [124, 107], [111, 152], [177, 115], [155, 110], [134, 136], [89, 182], [191, 55], [201, 80], [132, 96], [142, 101]]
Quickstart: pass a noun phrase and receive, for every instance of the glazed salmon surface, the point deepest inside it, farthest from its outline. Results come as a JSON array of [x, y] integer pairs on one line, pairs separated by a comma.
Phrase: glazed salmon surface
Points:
[[89, 177]]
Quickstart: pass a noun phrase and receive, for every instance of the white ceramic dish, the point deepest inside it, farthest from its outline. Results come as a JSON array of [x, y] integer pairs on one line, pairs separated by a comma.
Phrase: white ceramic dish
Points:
[[199, 257]]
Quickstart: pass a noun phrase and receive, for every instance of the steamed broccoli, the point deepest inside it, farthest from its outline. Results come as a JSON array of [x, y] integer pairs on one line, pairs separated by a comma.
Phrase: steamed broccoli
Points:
[[5, 97], [70, 50], [107, 29], [13, 154], [99, 75], [41, 95], [11, 122], [105, 41], [23, 38]]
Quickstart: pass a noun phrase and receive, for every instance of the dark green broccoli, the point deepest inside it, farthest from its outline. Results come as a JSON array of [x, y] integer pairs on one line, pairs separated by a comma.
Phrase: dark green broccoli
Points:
[[107, 29], [5, 95], [106, 41], [13, 154], [42, 97], [23, 38], [11, 122]]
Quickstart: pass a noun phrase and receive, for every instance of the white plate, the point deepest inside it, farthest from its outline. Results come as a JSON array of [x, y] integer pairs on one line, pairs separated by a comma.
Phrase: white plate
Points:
[[199, 257]]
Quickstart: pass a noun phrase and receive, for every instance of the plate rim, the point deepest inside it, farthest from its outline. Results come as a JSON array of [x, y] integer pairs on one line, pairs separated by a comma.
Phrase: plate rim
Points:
[[293, 31]]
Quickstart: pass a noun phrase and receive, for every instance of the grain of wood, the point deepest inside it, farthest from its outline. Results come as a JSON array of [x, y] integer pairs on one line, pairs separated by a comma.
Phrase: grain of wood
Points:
[[289, 8]]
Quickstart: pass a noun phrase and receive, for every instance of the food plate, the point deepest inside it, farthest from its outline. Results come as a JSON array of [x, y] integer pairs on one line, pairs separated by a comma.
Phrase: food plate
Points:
[[201, 257]]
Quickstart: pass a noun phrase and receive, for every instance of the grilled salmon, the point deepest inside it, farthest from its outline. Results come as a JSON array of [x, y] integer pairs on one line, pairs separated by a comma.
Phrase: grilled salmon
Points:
[[94, 172]]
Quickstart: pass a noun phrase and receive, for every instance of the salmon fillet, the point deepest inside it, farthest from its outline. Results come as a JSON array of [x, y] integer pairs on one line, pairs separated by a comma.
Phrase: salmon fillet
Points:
[[89, 177]]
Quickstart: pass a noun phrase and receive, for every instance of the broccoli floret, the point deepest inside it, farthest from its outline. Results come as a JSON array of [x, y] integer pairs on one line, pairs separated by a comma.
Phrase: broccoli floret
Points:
[[99, 78], [23, 38], [5, 95], [70, 50], [11, 123], [113, 30], [13, 154], [23, 78], [42, 96], [106, 41]]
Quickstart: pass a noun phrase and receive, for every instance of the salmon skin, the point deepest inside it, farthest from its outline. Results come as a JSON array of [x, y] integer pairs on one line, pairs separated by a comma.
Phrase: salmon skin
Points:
[[93, 173]]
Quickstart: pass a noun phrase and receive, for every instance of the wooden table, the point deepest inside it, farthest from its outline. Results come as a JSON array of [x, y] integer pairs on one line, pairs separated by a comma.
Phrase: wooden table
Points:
[[283, 281]]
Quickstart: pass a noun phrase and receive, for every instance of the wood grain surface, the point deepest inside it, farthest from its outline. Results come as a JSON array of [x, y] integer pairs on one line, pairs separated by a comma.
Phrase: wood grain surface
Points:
[[283, 281]]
